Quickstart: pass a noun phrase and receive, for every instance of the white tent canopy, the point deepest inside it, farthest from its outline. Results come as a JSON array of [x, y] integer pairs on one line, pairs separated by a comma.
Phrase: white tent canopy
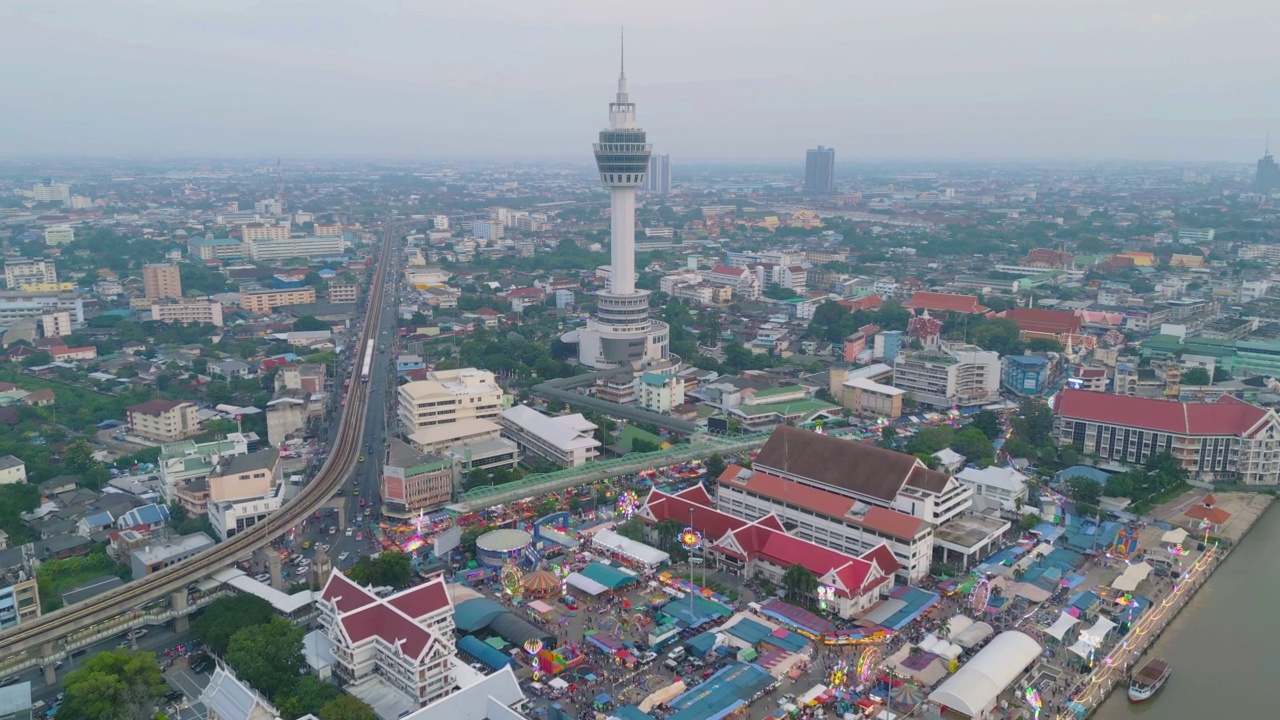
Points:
[[658, 697], [811, 695], [1175, 536], [1100, 628], [957, 624], [628, 548], [1060, 626], [1132, 576], [585, 584], [1093, 637], [973, 635], [973, 689]]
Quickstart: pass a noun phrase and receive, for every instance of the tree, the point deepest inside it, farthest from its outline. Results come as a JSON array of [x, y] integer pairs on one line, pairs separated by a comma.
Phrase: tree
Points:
[[268, 657], [1033, 422], [226, 616], [37, 359], [78, 457], [477, 477], [668, 531], [347, 707], [800, 583], [310, 323], [1084, 490], [931, 440], [1196, 376], [114, 685], [715, 467], [1220, 375], [888, 434], [390, 568], [1044, 345], [307, 697], [1028, 521], [988, 422], [640, 445], [632, 529], [974, 445]]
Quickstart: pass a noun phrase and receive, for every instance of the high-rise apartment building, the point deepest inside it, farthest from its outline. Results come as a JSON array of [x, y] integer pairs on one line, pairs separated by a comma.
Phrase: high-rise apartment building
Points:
[[487, 229], [187, 311], [63, 234], [20, 271], [262, 231], [622, 334], [49, 191], [1268, 175], [448, 396], [820, 171], [161, 280], [659, 178]]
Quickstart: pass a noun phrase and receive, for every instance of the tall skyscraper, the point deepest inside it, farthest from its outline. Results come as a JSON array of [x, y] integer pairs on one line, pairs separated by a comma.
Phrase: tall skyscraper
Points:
[[1268, 175], [820, 171], [622, 334], [659, 178]]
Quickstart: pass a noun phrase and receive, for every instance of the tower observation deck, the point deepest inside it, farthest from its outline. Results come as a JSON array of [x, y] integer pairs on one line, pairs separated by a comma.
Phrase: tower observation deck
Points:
[[622, 333]]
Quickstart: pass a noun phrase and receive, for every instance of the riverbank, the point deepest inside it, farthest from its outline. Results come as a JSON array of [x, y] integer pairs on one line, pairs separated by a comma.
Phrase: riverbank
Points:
[[1114, 668]]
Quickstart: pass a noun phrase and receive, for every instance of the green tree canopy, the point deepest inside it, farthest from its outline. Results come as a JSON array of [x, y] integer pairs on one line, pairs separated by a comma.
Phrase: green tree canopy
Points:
[[715, 467], [347, 707], [268, 657], [988, 422], [389, 568], [1196, 376], [226, 616], [973, 445], [931, 440], [114, 685], [310, 323]]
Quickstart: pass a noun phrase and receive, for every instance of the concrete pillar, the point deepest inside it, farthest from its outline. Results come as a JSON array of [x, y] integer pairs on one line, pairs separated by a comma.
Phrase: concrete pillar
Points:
[[50, 672], [273, 569], [178, 601]]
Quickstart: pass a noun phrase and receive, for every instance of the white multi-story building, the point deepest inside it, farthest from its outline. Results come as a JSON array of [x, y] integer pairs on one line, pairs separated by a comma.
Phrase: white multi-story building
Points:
[[243, 491], [187, 461], [566, 440], [12, 470], [952, 375], [257, 232], [297, 247], [51, 192], [659, 392], [56, 323], [21, 271], [447, 396], [850, 496], [1005, 486], [63, 234], [404, 640], [743, 282], [487, 229], [164, 420], [187, 311], [886, 288], [209, 248], [19, 304], [270, 206], [441, 222]]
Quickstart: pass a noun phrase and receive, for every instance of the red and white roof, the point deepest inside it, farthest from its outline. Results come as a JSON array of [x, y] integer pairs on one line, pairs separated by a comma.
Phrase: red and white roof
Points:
[[361, 615], [1228, 416]]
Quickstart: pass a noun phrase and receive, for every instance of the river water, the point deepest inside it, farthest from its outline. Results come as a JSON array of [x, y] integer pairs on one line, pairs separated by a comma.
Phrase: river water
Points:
[[1223, 645]]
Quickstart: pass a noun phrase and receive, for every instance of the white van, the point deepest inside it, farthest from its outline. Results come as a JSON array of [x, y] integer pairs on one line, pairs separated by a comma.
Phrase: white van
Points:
[[678, 653]]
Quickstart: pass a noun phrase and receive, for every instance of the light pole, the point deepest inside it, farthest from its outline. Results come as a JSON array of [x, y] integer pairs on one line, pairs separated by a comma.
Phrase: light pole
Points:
[[690, 550]]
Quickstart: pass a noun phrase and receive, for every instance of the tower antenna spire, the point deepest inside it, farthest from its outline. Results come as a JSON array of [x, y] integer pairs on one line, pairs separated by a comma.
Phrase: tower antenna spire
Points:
[[622, 44]]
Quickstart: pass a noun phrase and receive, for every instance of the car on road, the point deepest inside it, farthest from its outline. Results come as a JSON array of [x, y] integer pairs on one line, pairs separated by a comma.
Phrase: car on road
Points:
[[359, 536], [306, 544], [262, 577], [135, 634], [362, 502], [648, 657], [201, 664], [361, 458], [349, 532], [12, 679], [345, 554]]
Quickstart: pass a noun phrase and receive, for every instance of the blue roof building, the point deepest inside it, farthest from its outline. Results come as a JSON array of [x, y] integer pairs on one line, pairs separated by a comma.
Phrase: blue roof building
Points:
[[1024, 374]]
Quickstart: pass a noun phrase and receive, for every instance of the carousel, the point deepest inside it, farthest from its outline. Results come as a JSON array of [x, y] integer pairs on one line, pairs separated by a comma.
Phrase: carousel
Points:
[[540, 584]]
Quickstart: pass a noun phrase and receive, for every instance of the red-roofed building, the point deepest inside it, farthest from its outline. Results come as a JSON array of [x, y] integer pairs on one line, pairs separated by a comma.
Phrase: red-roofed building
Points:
[[405, 640], [744, 284], [1037, 323], [870, 302], [1225, 441], [936, 302], [763, 547]]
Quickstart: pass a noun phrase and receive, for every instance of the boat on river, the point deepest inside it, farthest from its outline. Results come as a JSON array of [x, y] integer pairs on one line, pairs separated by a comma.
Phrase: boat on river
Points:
[[1148, 679]]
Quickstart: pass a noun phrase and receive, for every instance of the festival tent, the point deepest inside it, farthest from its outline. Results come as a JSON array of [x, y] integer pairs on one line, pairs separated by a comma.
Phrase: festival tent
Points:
[[609, 576], [494, 659], [973, 635], [957, 624], [646, 555], [662, 696], [1092, 638], [883, 611], [973, 689], [558, 683], [1176, 536], [811, 695], [578, 581], [1132, 576], [1060, 626]]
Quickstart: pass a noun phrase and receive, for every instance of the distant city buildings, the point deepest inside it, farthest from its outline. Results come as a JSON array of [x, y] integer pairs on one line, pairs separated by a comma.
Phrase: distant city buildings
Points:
[[1267, 177], [658, 179], [820, 171], [20, 272], [161, 280]]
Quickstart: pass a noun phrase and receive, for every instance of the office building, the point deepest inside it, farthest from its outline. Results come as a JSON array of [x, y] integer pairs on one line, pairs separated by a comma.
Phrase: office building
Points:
[[49, 191], [404, 640], [744, 284], [820, 171], [950, 375], [658, 179], [1267, 177], [1025, 374], [270, 206], [297, 247], [341, 293], [185, 466], [264, 301], [216, 249], [1228, 441], [164, 420], [447, 396], [851, 497], [20, 271], [565, 440], [161, 280], [243, 491], [157, 556], [621, 334], [63, 234], [659, 392], [440, 222], [258, 232], [1002, 485], [188, 311], [12, 470], [488, 229], [414, 482], [55, 323]]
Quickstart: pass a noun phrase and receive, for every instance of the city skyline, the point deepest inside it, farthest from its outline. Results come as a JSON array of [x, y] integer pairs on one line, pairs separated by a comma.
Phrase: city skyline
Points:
[[989, 81]]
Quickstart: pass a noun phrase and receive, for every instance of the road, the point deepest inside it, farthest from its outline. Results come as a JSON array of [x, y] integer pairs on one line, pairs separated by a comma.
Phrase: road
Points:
[[24, 641]]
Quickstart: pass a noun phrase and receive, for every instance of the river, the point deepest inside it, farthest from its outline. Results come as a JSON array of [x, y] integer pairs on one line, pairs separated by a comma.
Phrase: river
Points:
[[1223, 644]]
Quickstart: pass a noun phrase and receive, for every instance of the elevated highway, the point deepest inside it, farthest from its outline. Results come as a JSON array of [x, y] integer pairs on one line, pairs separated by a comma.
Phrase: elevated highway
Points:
[[49, 637]]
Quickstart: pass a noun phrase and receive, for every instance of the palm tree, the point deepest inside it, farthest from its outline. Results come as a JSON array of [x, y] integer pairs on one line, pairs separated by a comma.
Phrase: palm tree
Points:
[[915, 651], [801, 583], [1019, 572], [668, 530], [944, 630]]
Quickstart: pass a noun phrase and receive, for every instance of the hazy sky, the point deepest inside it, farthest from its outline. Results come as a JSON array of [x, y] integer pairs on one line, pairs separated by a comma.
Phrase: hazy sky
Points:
[[714, 79]]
